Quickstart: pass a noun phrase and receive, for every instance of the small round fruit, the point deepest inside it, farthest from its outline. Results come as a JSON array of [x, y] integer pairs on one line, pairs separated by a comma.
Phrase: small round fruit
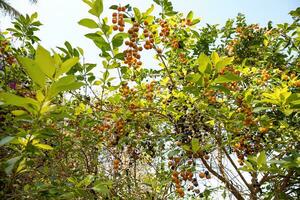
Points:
[[121, 28], [115, 28], [201, 174]]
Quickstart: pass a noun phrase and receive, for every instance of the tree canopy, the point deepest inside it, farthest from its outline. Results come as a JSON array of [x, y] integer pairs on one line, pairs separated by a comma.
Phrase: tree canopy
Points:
[[214, 116]]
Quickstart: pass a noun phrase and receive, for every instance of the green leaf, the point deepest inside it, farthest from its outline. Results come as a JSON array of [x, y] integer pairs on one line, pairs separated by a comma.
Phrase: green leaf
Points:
[[261, 160], [11, 164], [194, 78], [33, 71], [18, 112], [118, 39], [223, 62], [137, 14], [98, 40], [105, 75], [102, 188], [203, 61], [63, 84], [45, 62], [149, 11], [227, 78], [6, 140], [89, 23], [195, 144], [43, 146], [66, 66], [195, 21], [215, 58], [29, 104], [248, 167], [86, 181], [96, 8], [190, 15]]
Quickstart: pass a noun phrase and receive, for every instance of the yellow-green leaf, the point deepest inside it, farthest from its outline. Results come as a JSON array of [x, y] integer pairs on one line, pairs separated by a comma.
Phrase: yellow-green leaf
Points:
[[45, 62], [44, 146]]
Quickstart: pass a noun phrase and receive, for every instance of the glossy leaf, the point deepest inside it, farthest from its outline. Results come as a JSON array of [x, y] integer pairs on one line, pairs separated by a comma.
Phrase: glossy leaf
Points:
[[43, 146], [89, 23], [66, 66], [45, 62], [227, 78], [203, 61], [96, 8], [33, 70]]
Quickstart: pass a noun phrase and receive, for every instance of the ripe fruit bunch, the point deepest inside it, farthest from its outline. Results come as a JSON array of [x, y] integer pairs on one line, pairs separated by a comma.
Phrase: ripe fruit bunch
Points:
[[229, 69], [211, 96], [186, 175], [116, 164], [124, 90], [5, 55], [247, 145], [177, 181], [182, 58], [149, 40], [120, 126], [265, 76], [132, 56], [165, 29], [118, 19], [150, 89], [101, 128]]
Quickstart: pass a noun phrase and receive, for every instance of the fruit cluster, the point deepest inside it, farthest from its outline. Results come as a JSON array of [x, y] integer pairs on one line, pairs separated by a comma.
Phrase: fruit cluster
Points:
[[247, 145], [101, 128], [211, 96], [5, 55], [116, 164], [124, 89], [149, 39], [120, 126], [205, 174], [118, 19], [150, 89], [178, 177], [165, 29], [132, 56], [177, 181], [265, 76]]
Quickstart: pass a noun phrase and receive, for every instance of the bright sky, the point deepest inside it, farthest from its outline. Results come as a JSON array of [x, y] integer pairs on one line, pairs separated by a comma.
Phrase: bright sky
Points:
[[60, 17]]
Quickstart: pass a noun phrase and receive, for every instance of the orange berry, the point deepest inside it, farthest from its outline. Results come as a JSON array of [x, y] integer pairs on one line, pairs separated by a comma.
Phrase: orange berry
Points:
[[121, 28], [297, 83], [201, 174], [115, 27]]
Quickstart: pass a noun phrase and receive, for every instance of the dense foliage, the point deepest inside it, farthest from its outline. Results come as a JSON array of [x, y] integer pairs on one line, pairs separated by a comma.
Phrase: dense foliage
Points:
[[214, 115]]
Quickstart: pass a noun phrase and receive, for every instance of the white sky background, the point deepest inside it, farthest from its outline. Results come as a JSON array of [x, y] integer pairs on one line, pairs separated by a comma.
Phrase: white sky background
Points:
[[60, 17]]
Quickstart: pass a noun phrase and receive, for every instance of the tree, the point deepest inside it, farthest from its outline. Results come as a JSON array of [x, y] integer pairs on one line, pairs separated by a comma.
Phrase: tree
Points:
[[8, 9], [218, 117]]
